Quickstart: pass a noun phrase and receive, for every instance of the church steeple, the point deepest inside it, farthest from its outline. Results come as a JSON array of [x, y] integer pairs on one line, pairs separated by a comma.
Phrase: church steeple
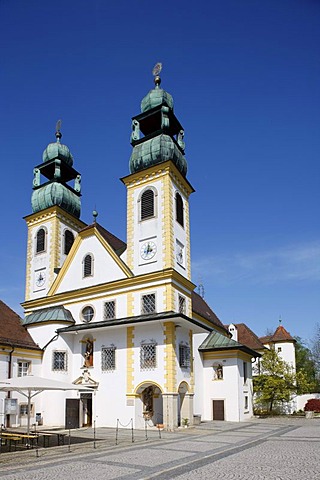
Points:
[[158, 235], [57, 168], [54, 222], [163, 134]]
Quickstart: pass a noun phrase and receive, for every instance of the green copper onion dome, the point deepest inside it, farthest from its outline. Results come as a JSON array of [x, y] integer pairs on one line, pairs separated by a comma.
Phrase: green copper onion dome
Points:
[[157, 150], [58, 172], [58, 150], [163, 136], [56, 194], [156, 96]]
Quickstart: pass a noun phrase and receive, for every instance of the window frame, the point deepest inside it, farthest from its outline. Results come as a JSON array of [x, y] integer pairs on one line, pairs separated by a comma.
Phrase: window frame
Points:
[[66, 242], [85, 274], [40, 250], [65, 361], [184, 355], [148, 349], [182, 304], [245, 373], [155, 203], [83, 314], [179, 209], [25, 368], [143, 305], [105, 316], [104, 362]]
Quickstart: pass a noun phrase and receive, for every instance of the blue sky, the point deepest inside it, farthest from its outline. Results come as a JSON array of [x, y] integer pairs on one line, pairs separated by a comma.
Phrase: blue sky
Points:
[[245, 79]]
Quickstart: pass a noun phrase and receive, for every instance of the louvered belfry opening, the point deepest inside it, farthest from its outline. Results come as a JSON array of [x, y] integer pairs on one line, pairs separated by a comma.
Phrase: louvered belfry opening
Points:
[[68, 241], [147, 204], [41, 240], [87, 266], [179, 209]]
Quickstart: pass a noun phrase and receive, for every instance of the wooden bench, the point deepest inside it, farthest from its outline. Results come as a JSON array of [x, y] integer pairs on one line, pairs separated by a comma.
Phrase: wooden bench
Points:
[[20, 436], [10, 438], [47, 435]]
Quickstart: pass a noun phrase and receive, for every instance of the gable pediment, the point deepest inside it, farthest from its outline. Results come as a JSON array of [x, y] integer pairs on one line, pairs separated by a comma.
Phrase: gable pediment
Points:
[[107, 266]]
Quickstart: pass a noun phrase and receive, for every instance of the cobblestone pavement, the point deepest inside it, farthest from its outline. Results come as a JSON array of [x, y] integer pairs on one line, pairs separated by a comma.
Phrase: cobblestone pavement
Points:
[[277, 449]]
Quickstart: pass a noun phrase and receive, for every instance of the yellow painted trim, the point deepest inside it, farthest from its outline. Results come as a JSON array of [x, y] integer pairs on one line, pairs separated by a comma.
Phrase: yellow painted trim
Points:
[[162, 276], [224, 355], [130, 359], [29, 265], [170, 368], [148, 382], [156, 170], [130, 228], [167, 224], [22, 353], [130, 305], [74, 249], [39, 217], [132, 395], [187, 230]]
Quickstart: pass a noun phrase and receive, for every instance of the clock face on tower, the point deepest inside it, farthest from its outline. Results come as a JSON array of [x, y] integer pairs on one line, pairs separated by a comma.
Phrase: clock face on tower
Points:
[[148, 250], [40, 279]]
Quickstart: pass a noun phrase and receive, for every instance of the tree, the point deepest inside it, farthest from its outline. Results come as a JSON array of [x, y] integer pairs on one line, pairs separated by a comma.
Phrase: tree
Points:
[[316, 351], [305, 365], [277, 382]]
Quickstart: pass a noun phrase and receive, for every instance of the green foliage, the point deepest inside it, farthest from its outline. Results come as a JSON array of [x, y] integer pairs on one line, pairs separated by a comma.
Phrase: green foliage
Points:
[[277, 382], [306, 369], [316, 352]]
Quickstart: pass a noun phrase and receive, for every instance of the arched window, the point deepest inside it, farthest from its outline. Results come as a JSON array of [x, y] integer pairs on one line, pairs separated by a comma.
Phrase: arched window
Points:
[[88, 266], [41, 240], [179, 209], [147, 204], [68, 241]]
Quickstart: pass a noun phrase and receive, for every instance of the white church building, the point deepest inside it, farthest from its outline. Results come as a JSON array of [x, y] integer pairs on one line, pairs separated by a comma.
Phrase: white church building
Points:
[[123, 318]]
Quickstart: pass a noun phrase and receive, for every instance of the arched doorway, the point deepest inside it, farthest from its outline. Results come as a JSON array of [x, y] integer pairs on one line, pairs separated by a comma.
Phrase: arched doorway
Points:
[[149, 404], [183, 403]]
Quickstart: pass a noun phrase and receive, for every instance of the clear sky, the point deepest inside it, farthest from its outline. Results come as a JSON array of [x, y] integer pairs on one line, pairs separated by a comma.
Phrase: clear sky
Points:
[[245, 79]]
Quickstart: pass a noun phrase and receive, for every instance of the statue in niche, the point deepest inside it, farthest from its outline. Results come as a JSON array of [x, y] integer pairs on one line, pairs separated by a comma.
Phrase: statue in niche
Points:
[[88, 355], [217, 372], [147, 399]]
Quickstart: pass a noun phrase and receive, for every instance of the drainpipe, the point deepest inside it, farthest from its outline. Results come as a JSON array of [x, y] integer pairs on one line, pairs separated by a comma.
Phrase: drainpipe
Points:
[[9, 376]]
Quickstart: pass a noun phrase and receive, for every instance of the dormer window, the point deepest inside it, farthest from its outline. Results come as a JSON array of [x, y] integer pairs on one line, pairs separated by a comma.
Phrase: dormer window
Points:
[[41, 241], [147, 204], [179, 209], [68, 241], [88, 265]]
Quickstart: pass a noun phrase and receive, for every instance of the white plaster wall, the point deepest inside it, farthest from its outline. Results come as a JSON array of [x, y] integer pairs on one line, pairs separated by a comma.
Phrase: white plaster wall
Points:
[[105, 268], [160, 298], [40, 261], [287, 352], [150, 229], [198, 401], [183, 374], [180, 233], [98, 306]]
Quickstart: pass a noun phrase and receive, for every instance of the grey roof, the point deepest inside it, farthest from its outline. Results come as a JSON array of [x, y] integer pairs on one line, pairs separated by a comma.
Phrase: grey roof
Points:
[[52, 314], [217, 342]]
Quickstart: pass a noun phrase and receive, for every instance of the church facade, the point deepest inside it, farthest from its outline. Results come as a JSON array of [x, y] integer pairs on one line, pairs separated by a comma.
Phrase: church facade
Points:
[[122, 318]]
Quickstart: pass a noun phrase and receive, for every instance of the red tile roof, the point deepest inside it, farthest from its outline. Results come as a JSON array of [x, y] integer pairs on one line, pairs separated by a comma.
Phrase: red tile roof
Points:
[[280, 335], [11, 330], [201, 307], [247, 337]]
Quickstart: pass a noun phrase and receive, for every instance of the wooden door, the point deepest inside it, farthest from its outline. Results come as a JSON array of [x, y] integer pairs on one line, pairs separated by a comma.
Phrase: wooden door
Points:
[[72, 413], [218, 409]]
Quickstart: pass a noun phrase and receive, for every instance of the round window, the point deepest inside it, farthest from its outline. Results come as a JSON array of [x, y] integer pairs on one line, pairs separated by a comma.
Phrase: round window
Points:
[[87, 314]]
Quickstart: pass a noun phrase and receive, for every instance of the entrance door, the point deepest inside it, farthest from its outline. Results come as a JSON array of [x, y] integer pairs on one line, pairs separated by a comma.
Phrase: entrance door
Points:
[[86, 401], [72, 412], [218, 409]]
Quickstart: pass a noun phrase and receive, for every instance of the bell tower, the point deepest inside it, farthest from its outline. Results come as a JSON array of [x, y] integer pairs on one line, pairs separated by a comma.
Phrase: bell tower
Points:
[[158, 235], [54, 221]]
